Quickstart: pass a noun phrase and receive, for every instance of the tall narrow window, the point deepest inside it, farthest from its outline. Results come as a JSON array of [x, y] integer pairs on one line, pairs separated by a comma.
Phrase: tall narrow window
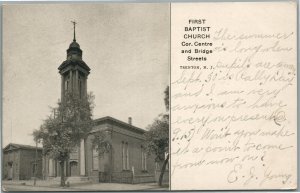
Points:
[[50, 167], [67, 83], [95, 159], [144, 159], [34, 168], [127, 157], [79, 86], [142, 151], [80, 89], [167, 166], [157, 166], [123, 156]]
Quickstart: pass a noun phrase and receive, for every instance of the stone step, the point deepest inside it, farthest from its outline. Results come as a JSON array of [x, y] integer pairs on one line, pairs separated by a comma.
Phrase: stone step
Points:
[[143, 178], [73, 179], [77, 179]]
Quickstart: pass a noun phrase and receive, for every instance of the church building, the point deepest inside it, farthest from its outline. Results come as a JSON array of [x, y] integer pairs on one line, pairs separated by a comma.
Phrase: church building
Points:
[[127, 160]]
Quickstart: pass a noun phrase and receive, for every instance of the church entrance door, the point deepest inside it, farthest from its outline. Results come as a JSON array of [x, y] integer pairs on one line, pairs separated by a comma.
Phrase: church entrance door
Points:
[[74, 168], [10, 170]]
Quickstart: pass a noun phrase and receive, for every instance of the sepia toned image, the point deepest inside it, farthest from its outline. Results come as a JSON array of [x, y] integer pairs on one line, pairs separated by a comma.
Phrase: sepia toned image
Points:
[[86, 97]]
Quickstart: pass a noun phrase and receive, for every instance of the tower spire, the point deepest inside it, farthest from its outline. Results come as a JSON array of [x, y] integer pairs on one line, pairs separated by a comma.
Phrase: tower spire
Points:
[[74, 24]]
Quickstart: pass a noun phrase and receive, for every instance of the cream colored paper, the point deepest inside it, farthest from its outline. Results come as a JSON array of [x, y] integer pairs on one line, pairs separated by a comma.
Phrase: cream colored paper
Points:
[[233, 112]]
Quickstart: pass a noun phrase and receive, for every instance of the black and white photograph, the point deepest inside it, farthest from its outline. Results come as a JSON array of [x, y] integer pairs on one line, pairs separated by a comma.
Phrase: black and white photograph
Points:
[[86, 97]]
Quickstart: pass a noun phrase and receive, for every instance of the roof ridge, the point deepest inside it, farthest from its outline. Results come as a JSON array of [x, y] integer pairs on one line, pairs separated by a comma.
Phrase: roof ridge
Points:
[[22, 146], [119, 121]]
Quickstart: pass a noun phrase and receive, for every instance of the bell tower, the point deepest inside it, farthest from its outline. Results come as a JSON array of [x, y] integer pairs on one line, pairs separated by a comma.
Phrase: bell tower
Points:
[[74, 71]]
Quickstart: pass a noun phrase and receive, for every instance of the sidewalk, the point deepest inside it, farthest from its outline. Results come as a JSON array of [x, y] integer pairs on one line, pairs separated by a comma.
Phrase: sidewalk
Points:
[[119, 187], [40, 183], [50, 185], [22, 188]]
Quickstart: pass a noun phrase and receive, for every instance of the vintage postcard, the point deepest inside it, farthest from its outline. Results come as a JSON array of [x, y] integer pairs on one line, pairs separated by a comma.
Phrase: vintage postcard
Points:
[[149, 96]]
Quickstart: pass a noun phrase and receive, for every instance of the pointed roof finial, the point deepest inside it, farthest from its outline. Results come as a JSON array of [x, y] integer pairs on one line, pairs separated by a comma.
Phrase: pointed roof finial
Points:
[[74, 24]]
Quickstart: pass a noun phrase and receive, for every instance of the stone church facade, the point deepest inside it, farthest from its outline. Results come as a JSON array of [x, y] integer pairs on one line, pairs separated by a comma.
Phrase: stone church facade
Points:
[[127, 160]]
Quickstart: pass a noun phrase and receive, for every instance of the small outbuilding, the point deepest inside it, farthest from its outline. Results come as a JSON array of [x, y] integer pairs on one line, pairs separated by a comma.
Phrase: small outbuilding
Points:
[[20, 162]]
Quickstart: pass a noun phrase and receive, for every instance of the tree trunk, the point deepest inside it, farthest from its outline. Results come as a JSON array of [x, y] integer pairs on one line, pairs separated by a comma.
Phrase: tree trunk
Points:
[[62, 174], [163, 169]]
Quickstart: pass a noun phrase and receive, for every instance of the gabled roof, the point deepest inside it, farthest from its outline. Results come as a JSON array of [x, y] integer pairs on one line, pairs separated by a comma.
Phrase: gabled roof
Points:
[[20, 146], [112, 120]]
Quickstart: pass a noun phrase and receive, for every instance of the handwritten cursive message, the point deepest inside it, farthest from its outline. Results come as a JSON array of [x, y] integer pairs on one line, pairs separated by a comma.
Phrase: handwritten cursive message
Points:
[[233, 96]]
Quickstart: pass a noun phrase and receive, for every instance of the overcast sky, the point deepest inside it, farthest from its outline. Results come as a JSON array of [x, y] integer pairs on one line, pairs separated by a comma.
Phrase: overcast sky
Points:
[[125, 45]]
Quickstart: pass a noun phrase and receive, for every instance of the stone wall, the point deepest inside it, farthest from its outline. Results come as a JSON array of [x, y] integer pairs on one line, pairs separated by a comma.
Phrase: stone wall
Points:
[[135, 145], [27, 163], [110, 167], [22, 161]]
